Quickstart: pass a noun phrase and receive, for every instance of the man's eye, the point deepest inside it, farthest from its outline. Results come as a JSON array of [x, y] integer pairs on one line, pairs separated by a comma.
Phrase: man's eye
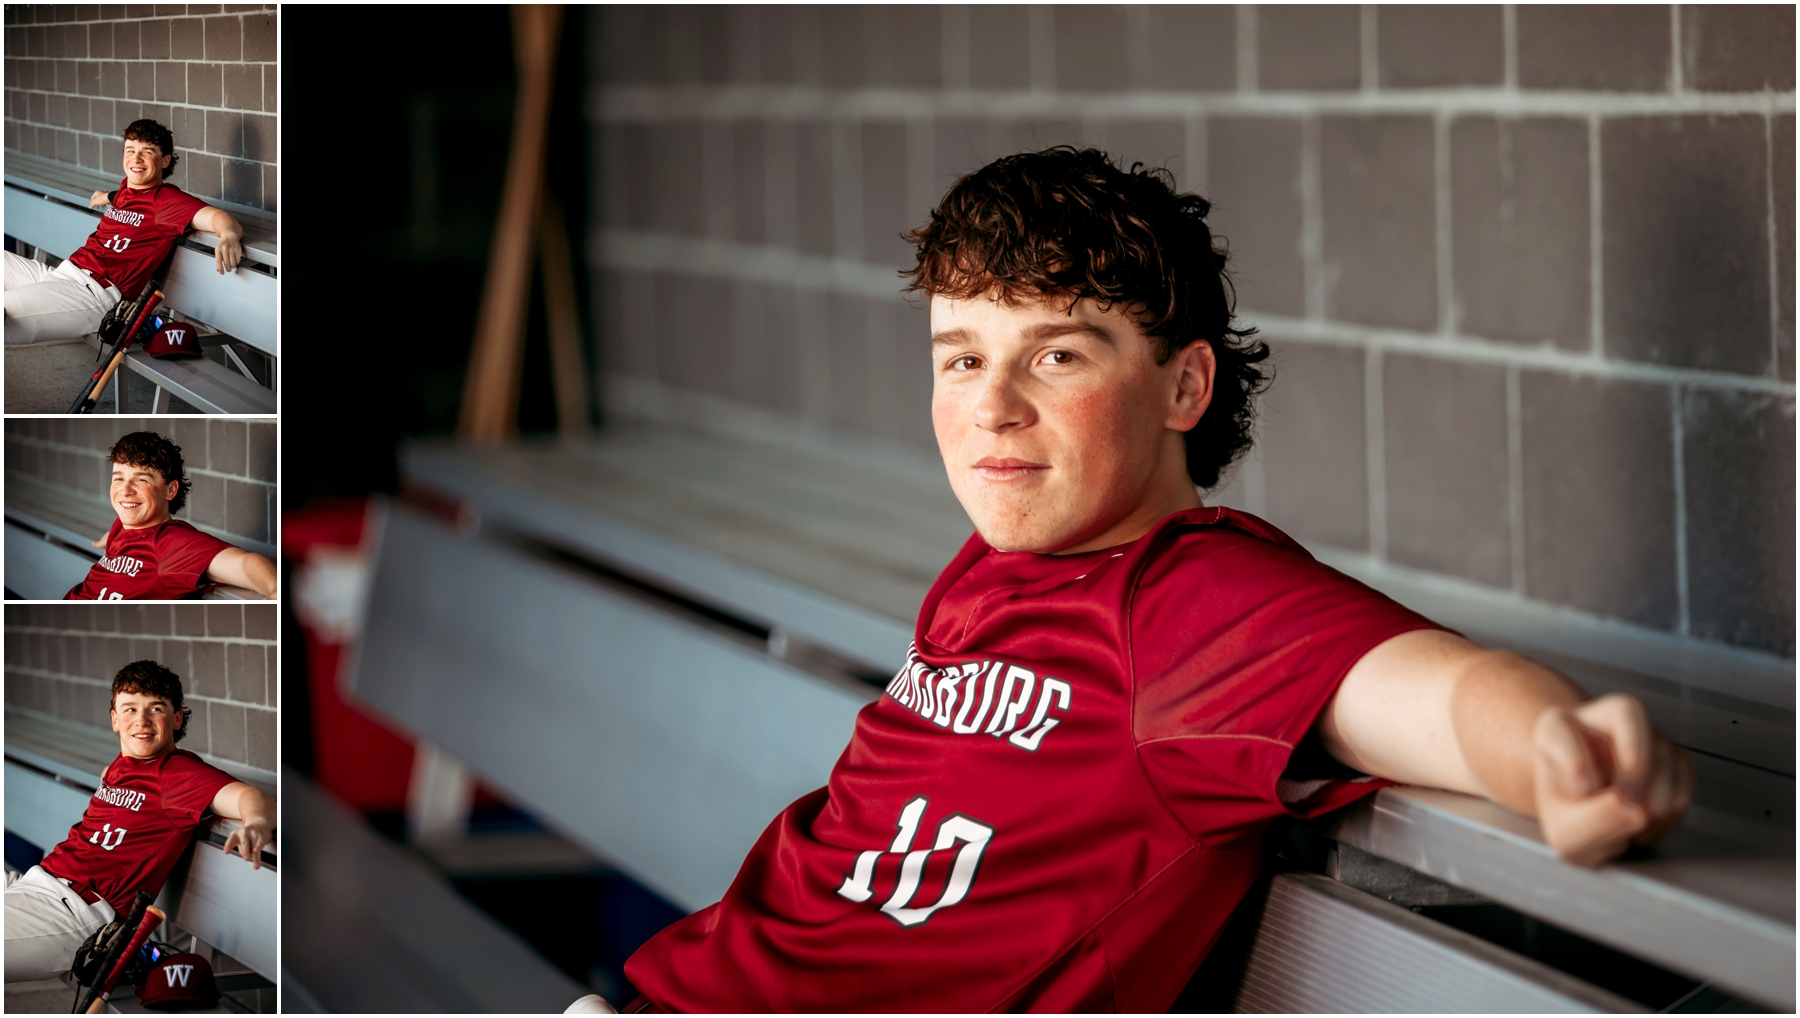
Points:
[[1060, 357], [967, 362]]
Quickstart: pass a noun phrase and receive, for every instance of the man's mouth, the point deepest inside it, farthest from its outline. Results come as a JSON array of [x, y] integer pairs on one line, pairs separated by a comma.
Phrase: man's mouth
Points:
[[1007, 468]]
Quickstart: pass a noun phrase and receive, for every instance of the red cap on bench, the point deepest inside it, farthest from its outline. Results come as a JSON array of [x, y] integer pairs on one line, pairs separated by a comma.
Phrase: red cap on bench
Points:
[[179, 979], [175, 339]]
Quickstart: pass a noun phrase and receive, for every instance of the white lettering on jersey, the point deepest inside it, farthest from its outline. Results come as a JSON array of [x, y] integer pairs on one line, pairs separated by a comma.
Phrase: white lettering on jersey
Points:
[[178, 974], [128, 218], [947, 697], [104, 837], [858, 885], [121, 564], [130, 800]]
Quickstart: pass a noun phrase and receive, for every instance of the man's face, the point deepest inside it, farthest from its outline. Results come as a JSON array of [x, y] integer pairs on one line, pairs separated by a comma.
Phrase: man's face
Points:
[[140, 495], [1057, 425], [144, 163], [146, 724]]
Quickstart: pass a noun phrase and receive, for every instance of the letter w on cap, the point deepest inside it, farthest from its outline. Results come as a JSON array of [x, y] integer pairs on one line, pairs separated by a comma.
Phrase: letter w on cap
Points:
[[178, 972]]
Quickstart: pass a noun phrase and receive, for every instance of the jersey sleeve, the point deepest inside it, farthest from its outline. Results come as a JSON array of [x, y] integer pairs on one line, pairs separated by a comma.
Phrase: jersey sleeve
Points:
[[189, 785], [182, 555], [175, 209], [1238, 644]]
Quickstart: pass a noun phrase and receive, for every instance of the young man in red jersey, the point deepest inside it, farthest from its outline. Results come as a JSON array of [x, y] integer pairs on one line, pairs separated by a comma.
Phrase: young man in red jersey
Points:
[[150, 803], [1067, 789], [144, 218], [150, 555]]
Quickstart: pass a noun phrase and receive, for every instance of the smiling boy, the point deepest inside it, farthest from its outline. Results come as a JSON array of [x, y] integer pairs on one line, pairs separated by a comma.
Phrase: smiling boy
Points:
[[149, 555], [1068, 787], [144, 219], [151, 802]]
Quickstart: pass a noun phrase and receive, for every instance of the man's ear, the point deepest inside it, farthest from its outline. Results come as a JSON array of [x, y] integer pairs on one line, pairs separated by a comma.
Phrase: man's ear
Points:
[[173, 490], [1194, 369]]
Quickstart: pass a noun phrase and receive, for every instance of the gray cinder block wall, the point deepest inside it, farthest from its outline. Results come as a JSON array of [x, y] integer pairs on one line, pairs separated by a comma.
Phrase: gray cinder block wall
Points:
[[76, 74], [1527, 271], [230, 465], [61, 659]]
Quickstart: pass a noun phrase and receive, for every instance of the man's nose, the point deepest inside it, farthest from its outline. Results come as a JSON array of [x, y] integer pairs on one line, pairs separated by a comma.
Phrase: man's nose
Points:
[[1002, 405]]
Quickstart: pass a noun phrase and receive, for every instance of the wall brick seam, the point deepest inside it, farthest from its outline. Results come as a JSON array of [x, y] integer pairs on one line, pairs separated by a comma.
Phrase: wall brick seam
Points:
[[622, 104], [644, 251]]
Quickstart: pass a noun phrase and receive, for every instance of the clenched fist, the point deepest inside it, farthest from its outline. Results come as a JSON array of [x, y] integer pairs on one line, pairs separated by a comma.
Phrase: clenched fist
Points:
[[1605, 780]]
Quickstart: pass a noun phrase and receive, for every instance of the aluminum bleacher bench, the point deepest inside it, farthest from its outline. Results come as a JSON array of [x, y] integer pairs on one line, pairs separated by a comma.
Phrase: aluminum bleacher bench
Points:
[[688, 623], [53, 768], [46, 207], [49, 535]]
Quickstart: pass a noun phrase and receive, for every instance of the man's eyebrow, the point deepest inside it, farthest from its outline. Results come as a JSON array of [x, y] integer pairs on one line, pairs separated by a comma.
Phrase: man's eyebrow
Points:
[[952, 337], [1050, 330]]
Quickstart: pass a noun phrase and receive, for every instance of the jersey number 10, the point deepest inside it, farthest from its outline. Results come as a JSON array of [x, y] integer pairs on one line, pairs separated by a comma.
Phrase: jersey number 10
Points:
[[859, 885], [116, 243]]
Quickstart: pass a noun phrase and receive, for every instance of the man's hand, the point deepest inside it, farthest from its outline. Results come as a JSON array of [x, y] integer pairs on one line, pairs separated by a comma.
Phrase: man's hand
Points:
[[99, 542], [230, 249], [1604, 779], [241, 800], [1431, 708], [98, 199], [248, 841]]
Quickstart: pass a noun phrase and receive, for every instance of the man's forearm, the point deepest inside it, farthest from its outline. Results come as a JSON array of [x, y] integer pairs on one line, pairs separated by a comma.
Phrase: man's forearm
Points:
[[256, 807], [1494, 708], [261, 574]]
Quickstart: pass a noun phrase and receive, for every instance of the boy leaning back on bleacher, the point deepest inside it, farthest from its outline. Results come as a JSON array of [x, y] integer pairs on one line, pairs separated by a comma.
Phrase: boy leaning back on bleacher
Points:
[[144, 218], [151, 802], [148, 555], [1113, 690]]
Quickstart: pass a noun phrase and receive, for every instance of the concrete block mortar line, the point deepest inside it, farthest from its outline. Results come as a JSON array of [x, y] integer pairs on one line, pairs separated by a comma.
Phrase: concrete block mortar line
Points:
[[1195, 153], [1515, 477], [954, 50], [1041, 33], [1246, 48], [1312, 221], [1375, 429], [1676, 82], [655, 103], [1140, 45], [1368, 54], [1774, 248], [1446, 283], [653, 252], [1509, 43], [1677, 438], [846, 189], [1596, 279]]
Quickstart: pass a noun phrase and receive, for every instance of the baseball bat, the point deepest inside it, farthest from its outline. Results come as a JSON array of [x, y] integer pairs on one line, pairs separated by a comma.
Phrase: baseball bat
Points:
[[151, 919], [90, 396], [85, 995]]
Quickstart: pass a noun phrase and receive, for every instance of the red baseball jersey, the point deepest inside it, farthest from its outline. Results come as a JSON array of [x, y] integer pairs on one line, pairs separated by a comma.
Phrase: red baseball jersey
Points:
[[137, 825], [162, 562], [135, 234], [1060, 798]]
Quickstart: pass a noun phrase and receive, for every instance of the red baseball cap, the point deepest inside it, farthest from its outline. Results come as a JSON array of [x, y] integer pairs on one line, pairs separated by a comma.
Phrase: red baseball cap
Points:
[[174, 339], [179, 979]]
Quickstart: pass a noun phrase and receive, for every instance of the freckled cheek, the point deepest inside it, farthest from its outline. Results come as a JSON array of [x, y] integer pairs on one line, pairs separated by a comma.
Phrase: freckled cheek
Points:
[[1095, 423]]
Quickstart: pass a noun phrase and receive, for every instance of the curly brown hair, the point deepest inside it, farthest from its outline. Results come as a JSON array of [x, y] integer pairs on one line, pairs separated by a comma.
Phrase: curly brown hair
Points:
[[149, 449], [158, 135], [1068, 222], [152, 679]]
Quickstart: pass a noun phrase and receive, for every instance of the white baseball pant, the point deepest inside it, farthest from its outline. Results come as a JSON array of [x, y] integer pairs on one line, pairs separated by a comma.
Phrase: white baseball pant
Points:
[[45, 923], [45, 305]]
